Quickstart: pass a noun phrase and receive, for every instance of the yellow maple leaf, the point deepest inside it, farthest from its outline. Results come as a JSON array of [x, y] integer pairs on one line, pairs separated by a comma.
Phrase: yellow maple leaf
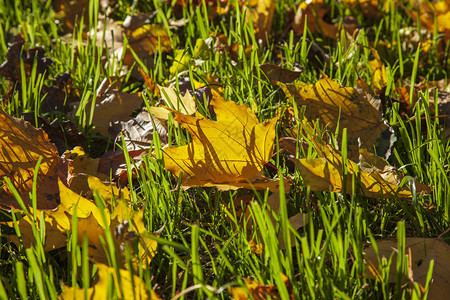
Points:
[[347, 107], [228, 151], [21, 145], [326, 174], [127, 225], [130, 287]]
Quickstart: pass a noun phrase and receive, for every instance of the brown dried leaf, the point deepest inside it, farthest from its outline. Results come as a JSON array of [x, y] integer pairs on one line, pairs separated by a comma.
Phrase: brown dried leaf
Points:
[[422, 250]]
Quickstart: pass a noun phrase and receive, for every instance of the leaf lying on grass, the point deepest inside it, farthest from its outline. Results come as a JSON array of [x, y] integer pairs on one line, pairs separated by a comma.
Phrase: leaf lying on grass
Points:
[[326, 174], [21, 145], [258, 291], [226, 152], [127, 286], [422, 251], [435, 16], [58, 223], [347, 107]]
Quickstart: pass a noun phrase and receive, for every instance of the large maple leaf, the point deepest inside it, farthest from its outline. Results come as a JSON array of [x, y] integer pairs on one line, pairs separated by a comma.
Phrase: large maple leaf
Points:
[[225, 153], [346, 107], [21, 145]]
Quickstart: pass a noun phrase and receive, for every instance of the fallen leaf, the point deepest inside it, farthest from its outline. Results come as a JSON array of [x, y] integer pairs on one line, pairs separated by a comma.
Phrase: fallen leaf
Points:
[[17, 54], [349, 107], [439, 11], [113, 163], [184, 104], [231, 150], [118, 106], [262, 16], [83, 163], [131, 286], [21, 145], [87, 185], [315, 12], [258, 291], [277, 73], [145, 41], [379, 71], [326, 174], [58, 223], [138, 132], [422, 251]]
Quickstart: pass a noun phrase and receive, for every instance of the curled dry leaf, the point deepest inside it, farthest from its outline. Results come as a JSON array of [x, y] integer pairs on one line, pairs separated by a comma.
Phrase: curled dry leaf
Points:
[[422, 251], [21, 145], [351, 108], [138, 132], [326, 174], [228, 151], [131, 286]]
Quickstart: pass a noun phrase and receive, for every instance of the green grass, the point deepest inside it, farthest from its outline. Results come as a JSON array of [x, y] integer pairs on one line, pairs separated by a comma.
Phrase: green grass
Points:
[[203, 243]]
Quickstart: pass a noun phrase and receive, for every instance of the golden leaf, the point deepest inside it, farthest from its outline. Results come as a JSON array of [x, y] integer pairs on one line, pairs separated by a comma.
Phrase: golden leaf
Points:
[[439, 10], [228, 151], [379, 80], [57, 221], [131, 286], [21, 145], [127, 225], [422, 251], [145, 41], [350, 108], [326, 174]]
